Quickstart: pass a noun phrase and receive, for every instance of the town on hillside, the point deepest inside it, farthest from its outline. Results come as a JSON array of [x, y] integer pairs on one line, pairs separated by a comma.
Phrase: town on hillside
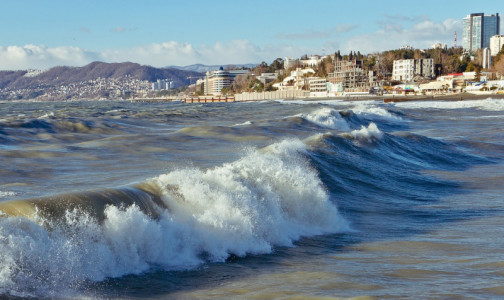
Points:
[[477, 67]]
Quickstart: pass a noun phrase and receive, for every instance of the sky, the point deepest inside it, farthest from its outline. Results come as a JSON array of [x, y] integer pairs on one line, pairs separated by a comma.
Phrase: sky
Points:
[[37, 34]]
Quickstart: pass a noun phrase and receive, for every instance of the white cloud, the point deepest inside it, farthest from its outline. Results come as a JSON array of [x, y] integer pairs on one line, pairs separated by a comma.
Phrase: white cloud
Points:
[[42, 57], [156, 54], [392, 36]]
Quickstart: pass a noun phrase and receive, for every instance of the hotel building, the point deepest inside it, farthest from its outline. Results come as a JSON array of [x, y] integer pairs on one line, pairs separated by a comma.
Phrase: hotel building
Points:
[[215, 81]]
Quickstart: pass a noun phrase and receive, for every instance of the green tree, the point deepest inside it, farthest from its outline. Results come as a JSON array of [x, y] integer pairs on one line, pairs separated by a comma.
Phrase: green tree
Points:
[[471, 67], [369, 63], [478, 74]]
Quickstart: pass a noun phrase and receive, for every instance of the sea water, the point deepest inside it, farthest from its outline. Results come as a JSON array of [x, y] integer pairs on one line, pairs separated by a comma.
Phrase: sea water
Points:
[[279, 199]]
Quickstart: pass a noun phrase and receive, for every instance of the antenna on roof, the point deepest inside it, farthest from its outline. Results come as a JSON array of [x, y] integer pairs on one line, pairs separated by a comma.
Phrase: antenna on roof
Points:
[[455, 40]]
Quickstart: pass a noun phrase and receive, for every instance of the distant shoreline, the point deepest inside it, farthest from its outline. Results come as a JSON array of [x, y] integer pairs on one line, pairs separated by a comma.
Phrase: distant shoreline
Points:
[[385, 98]]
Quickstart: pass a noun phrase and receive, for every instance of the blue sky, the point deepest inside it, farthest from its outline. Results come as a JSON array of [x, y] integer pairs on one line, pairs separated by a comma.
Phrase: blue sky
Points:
[[42, 34]]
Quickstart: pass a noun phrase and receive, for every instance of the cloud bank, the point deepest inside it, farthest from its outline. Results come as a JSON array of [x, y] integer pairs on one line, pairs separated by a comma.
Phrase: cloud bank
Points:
[[156, 54], [42, 57], [391, 35]]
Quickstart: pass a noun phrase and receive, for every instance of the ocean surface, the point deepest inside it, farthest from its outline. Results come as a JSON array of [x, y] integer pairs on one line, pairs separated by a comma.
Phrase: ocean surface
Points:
[[257, 200]]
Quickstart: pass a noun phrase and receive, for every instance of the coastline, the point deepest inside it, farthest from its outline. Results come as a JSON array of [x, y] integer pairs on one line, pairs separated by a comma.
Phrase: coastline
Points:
[[385, 98]]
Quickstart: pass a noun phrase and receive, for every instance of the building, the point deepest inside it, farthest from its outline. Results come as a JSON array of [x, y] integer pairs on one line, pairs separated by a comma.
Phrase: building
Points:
[[487, 58], [477, 29], [438, 45], [317, 85], [163, 85], [290, 63], [496, 43], [349, 75], [266, 78], [215, 81], [312, 61], [407, 70], [406, 47], [297, 80]]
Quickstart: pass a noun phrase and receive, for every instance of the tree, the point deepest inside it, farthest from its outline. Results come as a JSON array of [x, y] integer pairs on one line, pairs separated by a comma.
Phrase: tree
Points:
[[242, 82], [499, 67], [478, 74], [277, 64], [256, 86], [337, 55], [471, 67], [226, 91], [369, 63]]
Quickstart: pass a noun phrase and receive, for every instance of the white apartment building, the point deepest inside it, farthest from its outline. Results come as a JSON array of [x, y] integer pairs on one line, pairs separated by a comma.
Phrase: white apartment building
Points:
[[317, 85], [438, 45], [163, 85], [405, 70], [496, 43], [406, 47], [295, 81], [291, 62]]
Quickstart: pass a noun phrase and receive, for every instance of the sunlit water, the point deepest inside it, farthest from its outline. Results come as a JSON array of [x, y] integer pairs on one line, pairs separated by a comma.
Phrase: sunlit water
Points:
[[252, 200]]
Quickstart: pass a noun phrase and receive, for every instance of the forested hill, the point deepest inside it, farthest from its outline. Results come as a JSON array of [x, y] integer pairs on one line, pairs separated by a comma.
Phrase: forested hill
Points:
[[67, 75]]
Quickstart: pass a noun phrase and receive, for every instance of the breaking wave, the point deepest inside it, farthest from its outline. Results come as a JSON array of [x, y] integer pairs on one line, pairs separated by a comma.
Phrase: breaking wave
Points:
[[366, 134], [372, 111], [179, 220], [328, 118]]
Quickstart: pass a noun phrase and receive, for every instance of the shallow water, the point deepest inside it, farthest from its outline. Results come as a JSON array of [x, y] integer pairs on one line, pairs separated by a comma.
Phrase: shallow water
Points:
[[252, 200]]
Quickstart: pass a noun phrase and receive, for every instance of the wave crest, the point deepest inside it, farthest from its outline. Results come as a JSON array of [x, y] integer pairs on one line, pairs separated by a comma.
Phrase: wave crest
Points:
[[328, 118], [270, 197]]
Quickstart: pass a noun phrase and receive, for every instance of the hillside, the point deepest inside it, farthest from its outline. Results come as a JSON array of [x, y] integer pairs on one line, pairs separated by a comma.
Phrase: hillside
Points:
[[67, 75]]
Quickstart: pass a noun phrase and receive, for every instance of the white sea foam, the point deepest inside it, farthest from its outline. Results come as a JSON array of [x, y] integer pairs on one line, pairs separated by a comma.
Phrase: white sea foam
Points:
[[246, 123], [487, 104], [47, 115], [270, 197], [366, 134], [374, 111], [327, 117], [7, 194]]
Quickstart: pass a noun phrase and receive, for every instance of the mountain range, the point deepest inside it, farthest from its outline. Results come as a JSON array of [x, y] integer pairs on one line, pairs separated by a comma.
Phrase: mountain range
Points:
[[205, 68], [67, 75]]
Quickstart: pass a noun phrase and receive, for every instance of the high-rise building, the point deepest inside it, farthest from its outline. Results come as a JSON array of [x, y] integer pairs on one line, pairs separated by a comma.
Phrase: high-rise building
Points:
[[477, 30], [163, 84]]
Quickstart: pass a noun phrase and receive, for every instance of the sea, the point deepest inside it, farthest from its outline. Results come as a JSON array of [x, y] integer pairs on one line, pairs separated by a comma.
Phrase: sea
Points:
[[252, 200]]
